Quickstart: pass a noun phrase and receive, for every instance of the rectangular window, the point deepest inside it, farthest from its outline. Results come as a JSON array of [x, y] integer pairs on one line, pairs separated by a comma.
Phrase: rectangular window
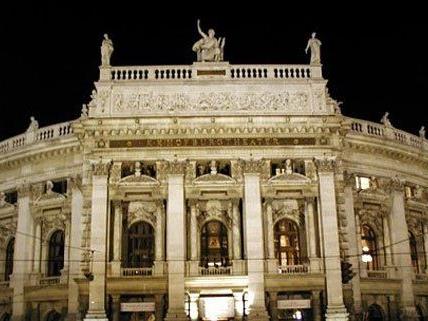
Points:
[[362, 182]]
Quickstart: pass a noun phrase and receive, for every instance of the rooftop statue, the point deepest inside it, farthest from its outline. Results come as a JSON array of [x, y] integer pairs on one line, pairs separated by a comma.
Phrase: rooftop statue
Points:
[[106, 51], [34, 125], [422, 132], [315, 45], [385, 120], [209, 48]]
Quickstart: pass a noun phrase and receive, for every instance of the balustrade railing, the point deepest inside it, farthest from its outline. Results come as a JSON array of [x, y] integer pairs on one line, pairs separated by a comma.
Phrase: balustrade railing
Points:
[[215, 270], [50, 280], [377, 274], [293, 269], [138, 73], [39, 135], [136, 271], [381, 131]]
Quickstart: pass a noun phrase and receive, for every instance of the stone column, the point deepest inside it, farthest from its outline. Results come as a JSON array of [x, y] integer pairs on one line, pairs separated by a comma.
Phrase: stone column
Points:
[[238, 304], [194, 312], [236, 225], [335, 307], [354, 253], [362, 266], [37, 247], [176, 242], [22, 252], [426, 245], [159, 307], [159, 239], [389, 264], [254, 230], [75, 252], [99, 217], [117, 238], [401, 250], [116, 307], [314, 260], [64, 271], [273, 305], [316, 306], [194, 259], [272, 263]]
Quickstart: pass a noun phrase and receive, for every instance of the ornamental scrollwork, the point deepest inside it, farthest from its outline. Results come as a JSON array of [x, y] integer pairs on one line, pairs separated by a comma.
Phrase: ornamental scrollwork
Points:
[[142, 211], [396, 184], [24, 190], [286, 208], [214, 210]]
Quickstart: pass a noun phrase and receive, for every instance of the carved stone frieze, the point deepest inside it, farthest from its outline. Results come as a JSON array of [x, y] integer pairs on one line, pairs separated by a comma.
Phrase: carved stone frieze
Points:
[[165, 168], [287, 208], [214, 210], [151, 102], [395, 184]]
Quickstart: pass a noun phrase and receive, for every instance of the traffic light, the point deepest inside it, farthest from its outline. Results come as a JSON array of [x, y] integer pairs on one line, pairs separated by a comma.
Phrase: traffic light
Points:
[[347, 273]]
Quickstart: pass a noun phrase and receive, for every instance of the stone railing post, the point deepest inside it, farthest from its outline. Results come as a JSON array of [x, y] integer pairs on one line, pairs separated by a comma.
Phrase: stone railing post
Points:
[[97, 286], [335, 307]]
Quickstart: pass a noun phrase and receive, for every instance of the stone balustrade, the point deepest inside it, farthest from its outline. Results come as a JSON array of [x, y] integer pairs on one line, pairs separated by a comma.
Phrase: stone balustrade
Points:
[[215, 270], [180, 72], [132, 272], [40, 135], [293, 269], [50, 280], [378, 130], [377, 274]]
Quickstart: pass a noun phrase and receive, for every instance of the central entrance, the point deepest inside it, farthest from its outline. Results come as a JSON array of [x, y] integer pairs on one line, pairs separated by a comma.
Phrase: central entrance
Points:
[[216, 307]]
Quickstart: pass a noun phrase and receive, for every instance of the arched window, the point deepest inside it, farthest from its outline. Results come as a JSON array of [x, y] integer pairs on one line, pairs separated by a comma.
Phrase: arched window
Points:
[[53, 316], [287, 245], [414, 252], [56, 253], [214, 245], [5, 317], [375, 313], [369, 246], [8, 269], [141, 245]]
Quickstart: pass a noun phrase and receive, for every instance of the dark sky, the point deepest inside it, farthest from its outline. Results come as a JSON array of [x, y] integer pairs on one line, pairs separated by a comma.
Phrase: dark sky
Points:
[[375, 58]]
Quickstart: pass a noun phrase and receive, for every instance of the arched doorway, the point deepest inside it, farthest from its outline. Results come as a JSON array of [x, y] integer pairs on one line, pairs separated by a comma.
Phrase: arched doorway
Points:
[[10, 249], [53, 316], [375, 313], [286, 242], [141, 245], [214, 244], [56, 253]]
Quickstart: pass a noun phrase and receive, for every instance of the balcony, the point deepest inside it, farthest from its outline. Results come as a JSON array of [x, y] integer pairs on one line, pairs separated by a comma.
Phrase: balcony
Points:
[[215, 270], [135, 272], [293, 269], [377, 274], [50, 280]]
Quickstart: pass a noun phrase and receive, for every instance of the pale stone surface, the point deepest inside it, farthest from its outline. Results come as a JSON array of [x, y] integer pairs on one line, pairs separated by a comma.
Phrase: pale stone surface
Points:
[[209, 48], [314, 45]]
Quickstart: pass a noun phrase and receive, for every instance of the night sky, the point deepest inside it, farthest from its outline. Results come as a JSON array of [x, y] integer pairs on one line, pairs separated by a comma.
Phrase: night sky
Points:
[[375, 59]]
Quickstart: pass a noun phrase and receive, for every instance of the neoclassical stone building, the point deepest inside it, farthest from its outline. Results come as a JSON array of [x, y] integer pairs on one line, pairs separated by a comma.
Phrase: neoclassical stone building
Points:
[[213, 191]]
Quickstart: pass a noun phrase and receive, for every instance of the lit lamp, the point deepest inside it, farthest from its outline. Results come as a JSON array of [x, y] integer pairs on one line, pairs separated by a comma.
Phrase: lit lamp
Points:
[[366, 256]]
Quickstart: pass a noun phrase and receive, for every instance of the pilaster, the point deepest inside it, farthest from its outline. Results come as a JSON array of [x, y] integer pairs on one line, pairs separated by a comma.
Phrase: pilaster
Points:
[[335, 307]]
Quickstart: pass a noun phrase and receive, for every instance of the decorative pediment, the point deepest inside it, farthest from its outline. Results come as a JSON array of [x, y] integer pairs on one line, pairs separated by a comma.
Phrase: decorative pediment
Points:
[[142, 211], [142, 179], [49, 197], [289, 178], [216, 178]]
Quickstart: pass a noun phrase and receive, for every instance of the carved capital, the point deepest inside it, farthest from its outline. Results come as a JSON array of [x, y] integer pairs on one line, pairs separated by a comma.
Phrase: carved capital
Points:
[[325, 164], [116, 203], [101, 168], [115, 172], [76, 182], [253, 166], [173, 168], [24, 190], [395, 184], [349, 179]]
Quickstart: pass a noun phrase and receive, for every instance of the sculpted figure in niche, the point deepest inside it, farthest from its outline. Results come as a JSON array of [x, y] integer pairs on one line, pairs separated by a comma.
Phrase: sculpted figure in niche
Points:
[[315, 45], [34, 124], [106, 51], [288, 167], [209, 48], [49, 187]]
